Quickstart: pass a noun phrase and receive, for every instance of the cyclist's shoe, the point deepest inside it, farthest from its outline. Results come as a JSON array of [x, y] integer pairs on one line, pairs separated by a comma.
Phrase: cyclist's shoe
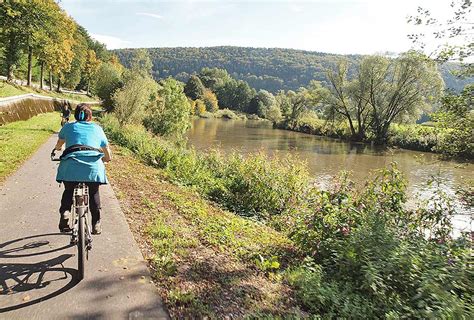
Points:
[[64, 222], [97, 228]]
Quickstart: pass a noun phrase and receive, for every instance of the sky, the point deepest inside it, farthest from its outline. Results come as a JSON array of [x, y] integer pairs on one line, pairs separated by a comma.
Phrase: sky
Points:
[[335, 26]]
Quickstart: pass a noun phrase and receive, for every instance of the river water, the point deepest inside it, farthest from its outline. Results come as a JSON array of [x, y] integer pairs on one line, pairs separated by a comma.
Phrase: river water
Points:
[[326, 157]]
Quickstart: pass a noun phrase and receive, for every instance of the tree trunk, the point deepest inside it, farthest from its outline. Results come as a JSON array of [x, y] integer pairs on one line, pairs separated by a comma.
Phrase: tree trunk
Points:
[[30, 58], [10, 56], [58, 89], [50, 80], [351, 125], [41, 74]]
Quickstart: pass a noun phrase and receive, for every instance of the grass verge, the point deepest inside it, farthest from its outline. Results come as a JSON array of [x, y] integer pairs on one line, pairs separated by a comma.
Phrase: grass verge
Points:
[[20, 139], [206, 261], [8, 90]]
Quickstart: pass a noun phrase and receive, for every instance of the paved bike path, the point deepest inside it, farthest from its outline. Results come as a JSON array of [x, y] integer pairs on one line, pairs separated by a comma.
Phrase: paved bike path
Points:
[[38, 267]]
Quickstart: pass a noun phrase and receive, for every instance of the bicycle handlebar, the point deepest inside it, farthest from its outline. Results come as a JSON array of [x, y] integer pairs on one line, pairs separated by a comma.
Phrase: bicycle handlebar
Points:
[[53, 154]]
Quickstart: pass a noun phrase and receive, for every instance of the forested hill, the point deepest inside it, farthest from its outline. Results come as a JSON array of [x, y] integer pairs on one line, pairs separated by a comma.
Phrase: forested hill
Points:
[[269, 69]]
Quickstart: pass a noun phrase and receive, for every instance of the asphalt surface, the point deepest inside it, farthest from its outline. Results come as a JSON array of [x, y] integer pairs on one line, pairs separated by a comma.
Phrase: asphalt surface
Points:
[[38, 267]]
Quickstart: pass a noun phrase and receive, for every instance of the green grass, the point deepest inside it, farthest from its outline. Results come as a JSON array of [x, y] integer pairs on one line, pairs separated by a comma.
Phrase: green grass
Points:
[[9, 90], [19, 140]]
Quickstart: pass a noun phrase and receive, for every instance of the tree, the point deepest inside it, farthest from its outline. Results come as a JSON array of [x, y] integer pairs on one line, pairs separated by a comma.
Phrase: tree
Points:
[[210, 101], [214, 78], [141, 62], [383, 91], [457, 116], [80, 51], [260, 104], [194, 88], [349, 99], [22, 23], [107, 79], [452, 36], [170, 115], [132, 100], [235, 94], [91, 67], [273, 113], [401, 88], [283, 101], [303, 100]]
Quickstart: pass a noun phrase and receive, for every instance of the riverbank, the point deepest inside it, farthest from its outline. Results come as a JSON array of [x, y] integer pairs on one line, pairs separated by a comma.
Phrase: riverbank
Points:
[[361, 247], [20, 139], [411, 137], [206, 262]]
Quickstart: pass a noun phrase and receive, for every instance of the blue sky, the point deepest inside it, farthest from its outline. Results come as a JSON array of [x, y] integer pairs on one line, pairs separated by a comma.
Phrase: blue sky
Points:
[[337, 26]]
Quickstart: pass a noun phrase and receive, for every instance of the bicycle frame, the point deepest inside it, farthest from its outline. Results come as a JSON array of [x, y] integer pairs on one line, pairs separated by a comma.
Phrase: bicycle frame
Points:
[[80, 207], [79, 223]]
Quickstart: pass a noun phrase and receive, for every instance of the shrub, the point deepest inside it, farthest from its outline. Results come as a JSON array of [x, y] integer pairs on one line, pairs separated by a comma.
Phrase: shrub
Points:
[[368, 256], [131, 101], [200, 107], [255, 185], [210, 101], [373, 258], [226, 113], [170, 115]]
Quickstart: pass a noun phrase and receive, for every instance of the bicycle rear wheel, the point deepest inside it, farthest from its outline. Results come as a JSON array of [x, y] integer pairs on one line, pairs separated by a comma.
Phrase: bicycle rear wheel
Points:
[[81, 244]]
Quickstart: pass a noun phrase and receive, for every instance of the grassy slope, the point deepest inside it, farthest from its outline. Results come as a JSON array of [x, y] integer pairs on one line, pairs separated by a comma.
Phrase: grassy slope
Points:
[[203, 258], [19, 140], [8, 90]]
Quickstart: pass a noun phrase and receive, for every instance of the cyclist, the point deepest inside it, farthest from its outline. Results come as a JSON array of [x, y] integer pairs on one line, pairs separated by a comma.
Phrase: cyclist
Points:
[[83, 160], [66, 113]]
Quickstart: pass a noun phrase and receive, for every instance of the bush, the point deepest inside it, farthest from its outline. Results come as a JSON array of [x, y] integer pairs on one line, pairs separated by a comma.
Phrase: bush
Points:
[[200, 107], [226, 113], [132, 100], [210, 101], [373, 258], [255, 185], [171, 114], [414, 137], [367, 256]]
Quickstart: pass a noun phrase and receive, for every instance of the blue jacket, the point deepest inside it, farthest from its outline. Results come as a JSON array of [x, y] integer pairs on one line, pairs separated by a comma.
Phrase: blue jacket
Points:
[[87, 165]]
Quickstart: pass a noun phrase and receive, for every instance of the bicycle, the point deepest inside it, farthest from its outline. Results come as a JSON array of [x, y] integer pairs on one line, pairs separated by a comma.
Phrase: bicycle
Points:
[[79, 223]]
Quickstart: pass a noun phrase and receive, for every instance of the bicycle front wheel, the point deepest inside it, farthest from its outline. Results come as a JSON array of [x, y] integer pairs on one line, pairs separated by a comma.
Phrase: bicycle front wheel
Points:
[[81, 244]]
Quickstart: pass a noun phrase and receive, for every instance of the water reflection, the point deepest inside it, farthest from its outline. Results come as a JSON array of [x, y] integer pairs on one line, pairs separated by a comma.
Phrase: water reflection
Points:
[[327, 157]]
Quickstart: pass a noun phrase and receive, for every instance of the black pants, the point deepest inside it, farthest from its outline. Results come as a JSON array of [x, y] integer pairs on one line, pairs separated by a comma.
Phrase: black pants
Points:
[[94, 199]]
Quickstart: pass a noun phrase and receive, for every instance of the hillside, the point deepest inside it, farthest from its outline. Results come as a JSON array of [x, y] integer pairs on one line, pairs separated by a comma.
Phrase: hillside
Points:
[[271, 69]]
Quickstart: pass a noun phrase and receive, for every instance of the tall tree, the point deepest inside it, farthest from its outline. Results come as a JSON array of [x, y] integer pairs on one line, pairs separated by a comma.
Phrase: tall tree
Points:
[[132, 100], [91, 67], [194, 88], [141, 62], [260, 104], [106, 81], [235, 94], [171, 114], [411, 83], [303, 100], [349, 98], [214, 78]]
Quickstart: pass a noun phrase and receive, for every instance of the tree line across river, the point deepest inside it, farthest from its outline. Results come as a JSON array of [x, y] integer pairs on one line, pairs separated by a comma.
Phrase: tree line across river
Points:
[[271, 69]]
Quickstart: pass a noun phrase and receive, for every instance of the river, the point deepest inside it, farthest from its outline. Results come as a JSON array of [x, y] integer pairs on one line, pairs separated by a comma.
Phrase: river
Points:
[[326, 157]]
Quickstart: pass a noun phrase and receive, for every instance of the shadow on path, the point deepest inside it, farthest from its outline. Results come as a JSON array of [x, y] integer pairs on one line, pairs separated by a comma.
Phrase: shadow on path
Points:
[[27, 278]]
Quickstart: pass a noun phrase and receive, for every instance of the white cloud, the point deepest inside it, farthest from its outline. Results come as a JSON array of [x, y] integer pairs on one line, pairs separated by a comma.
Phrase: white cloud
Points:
[[110, 41], [148, 14]]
